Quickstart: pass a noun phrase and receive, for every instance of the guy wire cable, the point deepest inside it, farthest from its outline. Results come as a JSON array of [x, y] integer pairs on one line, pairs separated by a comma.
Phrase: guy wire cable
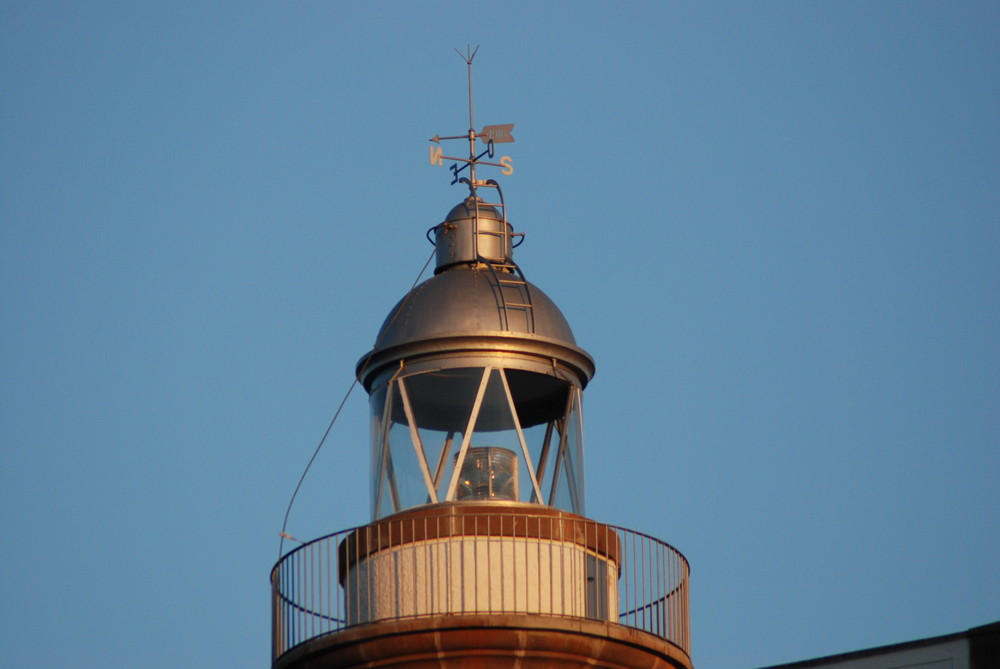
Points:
[[284, 525]]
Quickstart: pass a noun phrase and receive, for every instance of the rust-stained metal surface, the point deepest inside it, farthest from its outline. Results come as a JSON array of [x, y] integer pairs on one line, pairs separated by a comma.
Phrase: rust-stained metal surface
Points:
[[477, 641]]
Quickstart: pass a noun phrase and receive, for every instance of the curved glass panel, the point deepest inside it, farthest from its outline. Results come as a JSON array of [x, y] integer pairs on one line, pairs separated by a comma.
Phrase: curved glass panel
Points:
[[476, 433], [566, 491]]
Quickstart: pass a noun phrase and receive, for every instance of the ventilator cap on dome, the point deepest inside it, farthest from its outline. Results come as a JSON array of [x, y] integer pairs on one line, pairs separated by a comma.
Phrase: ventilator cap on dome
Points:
[[473, 232]]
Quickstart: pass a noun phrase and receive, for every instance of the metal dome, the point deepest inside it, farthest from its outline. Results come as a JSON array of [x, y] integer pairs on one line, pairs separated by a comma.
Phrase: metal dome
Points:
[[465, 301], [477, 305], [462, 311]]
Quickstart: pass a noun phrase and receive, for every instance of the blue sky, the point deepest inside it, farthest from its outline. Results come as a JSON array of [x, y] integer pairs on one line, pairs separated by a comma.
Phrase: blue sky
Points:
[[774, 225]]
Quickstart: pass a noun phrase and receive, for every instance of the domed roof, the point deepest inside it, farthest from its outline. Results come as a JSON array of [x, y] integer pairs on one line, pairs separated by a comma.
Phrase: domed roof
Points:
[[467, 307], [467, 301], [476, 309]]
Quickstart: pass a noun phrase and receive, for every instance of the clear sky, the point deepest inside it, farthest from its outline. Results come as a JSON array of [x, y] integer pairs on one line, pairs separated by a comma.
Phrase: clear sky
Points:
[[775, 225]]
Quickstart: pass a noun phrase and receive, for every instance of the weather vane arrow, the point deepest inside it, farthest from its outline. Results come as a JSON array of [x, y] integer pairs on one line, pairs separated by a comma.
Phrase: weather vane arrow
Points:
[[437, 138], [498, 134]]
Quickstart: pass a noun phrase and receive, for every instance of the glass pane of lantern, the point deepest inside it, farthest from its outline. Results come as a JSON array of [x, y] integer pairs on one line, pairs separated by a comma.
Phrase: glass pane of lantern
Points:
[[540, 401], [495, 422], [399, 481], [565, 472], [575, 446], [441, 402], [563, 498], [409, 479], [538, 398], [385, 498], [569, 486], [494, 461], [395, 452], [534, 436], [549, 437], [437, 446], [378, 480]]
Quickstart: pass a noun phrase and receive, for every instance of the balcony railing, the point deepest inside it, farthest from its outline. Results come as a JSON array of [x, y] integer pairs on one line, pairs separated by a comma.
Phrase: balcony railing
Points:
[[488, 563]]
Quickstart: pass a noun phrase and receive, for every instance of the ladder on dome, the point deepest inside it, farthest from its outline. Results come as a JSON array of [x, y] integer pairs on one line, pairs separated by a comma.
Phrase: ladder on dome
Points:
[[514, 293]]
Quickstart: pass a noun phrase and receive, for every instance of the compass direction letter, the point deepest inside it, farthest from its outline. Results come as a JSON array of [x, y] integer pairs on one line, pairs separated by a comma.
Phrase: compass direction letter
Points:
[[506, 165]]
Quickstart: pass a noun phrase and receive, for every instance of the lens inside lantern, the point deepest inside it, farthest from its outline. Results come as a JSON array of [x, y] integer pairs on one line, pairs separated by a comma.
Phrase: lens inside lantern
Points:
[[489, 472]]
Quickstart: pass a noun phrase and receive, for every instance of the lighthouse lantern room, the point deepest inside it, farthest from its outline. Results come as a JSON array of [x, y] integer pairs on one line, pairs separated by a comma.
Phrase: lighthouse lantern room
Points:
[[475, 382]]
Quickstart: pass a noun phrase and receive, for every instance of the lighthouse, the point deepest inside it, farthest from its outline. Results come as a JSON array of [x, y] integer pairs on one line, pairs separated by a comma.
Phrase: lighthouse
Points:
[[479, 552]]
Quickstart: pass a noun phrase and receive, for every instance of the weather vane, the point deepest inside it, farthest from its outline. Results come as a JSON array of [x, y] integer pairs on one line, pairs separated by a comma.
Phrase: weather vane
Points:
[[489, 135]]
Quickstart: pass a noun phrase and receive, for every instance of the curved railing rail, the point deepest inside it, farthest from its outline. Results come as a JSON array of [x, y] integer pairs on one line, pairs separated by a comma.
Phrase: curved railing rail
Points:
[[529, 564]]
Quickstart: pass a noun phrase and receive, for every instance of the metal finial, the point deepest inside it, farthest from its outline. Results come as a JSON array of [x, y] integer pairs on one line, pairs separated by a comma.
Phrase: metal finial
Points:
[[469, 55]]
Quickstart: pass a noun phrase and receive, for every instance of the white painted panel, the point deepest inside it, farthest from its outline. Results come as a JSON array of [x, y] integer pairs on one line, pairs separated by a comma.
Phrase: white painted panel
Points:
[[481, 575]]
